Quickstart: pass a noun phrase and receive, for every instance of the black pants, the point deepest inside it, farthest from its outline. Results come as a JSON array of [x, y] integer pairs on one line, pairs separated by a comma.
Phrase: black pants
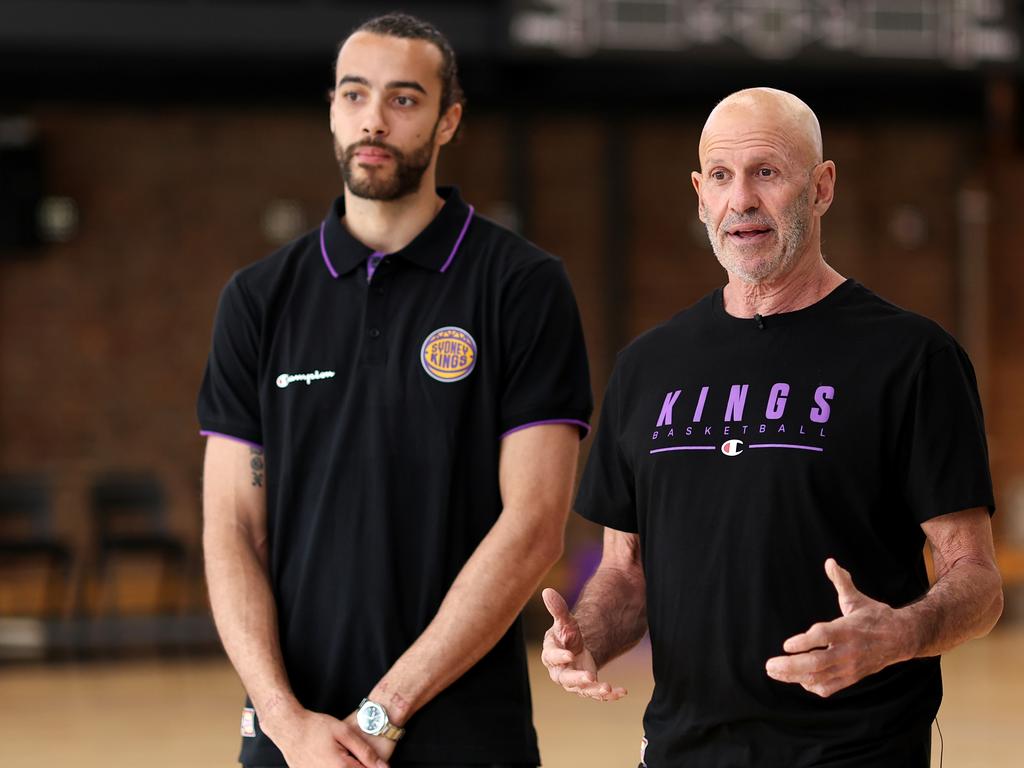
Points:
[[912, 750]]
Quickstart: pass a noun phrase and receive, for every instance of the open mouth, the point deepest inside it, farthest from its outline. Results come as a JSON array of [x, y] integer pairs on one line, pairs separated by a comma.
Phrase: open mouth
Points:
[[750, 233]]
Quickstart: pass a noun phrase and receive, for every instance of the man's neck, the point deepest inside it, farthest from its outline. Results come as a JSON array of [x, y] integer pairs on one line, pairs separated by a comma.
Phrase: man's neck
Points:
[[389, 226], [807, 283]]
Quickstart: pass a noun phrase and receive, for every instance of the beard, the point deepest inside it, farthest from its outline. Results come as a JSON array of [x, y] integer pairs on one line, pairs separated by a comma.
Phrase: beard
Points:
[[791, 234], [377, 183]]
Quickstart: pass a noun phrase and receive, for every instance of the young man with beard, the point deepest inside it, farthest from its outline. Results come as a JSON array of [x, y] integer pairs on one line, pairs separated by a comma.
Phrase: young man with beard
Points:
[[394, 404], [790, 421]]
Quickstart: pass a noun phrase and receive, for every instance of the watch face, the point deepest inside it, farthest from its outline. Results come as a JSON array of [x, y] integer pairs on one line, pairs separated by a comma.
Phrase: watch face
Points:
[[371, 718]]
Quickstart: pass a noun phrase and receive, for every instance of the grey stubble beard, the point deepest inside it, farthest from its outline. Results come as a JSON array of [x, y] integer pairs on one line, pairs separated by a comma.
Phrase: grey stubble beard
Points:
[[792, 233]]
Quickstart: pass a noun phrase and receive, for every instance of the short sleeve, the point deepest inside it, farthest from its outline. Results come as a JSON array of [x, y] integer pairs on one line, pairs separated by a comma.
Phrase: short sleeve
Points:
[[545, 376], [607, 493], [947, 459], [229, 395]]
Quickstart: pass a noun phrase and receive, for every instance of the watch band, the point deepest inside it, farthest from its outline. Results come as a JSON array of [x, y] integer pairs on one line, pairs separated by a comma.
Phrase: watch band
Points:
[[392, 732]]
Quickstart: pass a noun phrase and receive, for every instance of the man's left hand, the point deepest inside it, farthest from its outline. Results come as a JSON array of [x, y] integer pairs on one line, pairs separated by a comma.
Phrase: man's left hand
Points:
[[834, 655], [382, 746]]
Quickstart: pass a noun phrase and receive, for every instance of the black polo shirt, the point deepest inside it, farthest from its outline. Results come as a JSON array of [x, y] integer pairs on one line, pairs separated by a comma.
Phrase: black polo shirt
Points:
[[381, 402]]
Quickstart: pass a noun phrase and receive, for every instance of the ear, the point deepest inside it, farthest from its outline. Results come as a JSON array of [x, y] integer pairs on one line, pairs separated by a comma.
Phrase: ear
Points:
[[824, 176], [449, 123], [696, 178], [330, 108]]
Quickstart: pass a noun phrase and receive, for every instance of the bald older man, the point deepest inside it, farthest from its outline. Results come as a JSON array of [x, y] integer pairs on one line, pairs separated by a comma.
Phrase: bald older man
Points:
[[788, 422]]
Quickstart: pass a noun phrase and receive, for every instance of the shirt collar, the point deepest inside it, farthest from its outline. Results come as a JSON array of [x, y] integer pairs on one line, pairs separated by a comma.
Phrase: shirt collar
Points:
[[434, 248]]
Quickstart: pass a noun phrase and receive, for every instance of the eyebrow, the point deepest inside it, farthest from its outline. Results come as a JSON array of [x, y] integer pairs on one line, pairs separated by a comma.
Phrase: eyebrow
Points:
[[711, 163], [393, 85], [760, 160], [353, 79]]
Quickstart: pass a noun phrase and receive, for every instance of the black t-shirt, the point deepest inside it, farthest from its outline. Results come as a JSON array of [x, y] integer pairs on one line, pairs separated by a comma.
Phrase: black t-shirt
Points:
[[745, 454], [381, 403]]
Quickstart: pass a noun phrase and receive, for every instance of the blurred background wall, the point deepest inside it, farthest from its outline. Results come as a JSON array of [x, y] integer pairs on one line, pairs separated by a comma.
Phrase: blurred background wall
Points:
[[148, 149]]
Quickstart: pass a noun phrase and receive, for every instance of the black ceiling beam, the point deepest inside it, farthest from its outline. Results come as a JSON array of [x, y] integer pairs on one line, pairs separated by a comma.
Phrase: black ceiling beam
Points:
[[296, 30]]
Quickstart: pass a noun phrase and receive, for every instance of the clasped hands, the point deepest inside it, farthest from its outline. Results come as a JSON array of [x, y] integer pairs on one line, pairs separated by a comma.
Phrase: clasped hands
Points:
[[316, 740], [828, 657]]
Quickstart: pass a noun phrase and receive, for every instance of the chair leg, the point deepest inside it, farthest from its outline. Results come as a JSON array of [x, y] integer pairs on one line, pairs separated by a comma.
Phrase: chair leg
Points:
[[101, 590], [56, 580]]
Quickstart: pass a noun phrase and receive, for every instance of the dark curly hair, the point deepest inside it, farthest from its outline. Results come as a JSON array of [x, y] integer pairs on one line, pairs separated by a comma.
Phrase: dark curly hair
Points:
[[409, 27]]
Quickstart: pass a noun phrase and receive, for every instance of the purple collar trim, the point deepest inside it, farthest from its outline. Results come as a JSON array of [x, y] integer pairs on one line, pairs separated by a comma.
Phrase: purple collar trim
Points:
[[426, 250], [372, 262], [323, 250], [458, 242]]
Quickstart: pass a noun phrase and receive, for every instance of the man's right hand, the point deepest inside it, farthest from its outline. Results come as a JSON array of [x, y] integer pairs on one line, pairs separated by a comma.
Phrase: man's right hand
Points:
[[314, 740], [565, 654]]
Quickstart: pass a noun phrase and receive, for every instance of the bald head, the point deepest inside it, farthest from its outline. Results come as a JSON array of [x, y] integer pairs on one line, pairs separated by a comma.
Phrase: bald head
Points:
[[754, 110], [763, 187]]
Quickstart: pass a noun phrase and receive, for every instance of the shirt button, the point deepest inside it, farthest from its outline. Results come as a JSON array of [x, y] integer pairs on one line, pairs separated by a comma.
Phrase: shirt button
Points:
[[374, 333], [379, 290]]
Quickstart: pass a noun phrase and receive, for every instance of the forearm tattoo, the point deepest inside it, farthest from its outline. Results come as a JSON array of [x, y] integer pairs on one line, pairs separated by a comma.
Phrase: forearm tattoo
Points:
[[257, 466]]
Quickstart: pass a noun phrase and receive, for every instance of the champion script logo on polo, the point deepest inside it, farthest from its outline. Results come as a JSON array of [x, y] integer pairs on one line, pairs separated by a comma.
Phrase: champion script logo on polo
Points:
[[448, 354], [308, 378]]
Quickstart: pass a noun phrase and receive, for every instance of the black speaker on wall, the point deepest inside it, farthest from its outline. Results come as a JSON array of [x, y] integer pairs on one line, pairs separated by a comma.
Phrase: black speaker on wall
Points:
[[21, 190]]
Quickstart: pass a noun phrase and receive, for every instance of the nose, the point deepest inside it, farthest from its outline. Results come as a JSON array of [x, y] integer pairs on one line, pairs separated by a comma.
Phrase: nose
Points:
[[375, 124], [743, 197]]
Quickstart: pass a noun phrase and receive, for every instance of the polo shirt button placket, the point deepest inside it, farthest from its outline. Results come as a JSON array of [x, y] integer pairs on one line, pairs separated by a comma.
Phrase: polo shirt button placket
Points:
[[375, 352]]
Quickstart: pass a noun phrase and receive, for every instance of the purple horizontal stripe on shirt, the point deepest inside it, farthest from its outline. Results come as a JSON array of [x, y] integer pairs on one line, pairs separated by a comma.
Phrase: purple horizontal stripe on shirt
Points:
[[786, 445], [685, 448], [577, 422], [208, 433]]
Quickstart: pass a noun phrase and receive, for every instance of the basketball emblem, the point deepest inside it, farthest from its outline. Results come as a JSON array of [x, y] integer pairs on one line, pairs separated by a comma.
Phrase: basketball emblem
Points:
[[448, 354]]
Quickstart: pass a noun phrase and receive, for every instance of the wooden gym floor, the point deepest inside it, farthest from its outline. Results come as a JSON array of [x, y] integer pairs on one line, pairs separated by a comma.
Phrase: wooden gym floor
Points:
[[186, 713]]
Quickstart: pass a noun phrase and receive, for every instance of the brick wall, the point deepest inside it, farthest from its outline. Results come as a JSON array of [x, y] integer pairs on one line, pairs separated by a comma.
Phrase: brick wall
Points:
[[103, 339]]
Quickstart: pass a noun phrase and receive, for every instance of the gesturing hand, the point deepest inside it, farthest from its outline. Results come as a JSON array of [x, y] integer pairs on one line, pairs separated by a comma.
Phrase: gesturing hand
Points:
[[569, 663], [834, 655]]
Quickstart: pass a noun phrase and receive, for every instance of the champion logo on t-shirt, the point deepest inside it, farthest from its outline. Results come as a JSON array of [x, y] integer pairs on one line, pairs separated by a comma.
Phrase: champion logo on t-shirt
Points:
[[308, 378], [732, 447]]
